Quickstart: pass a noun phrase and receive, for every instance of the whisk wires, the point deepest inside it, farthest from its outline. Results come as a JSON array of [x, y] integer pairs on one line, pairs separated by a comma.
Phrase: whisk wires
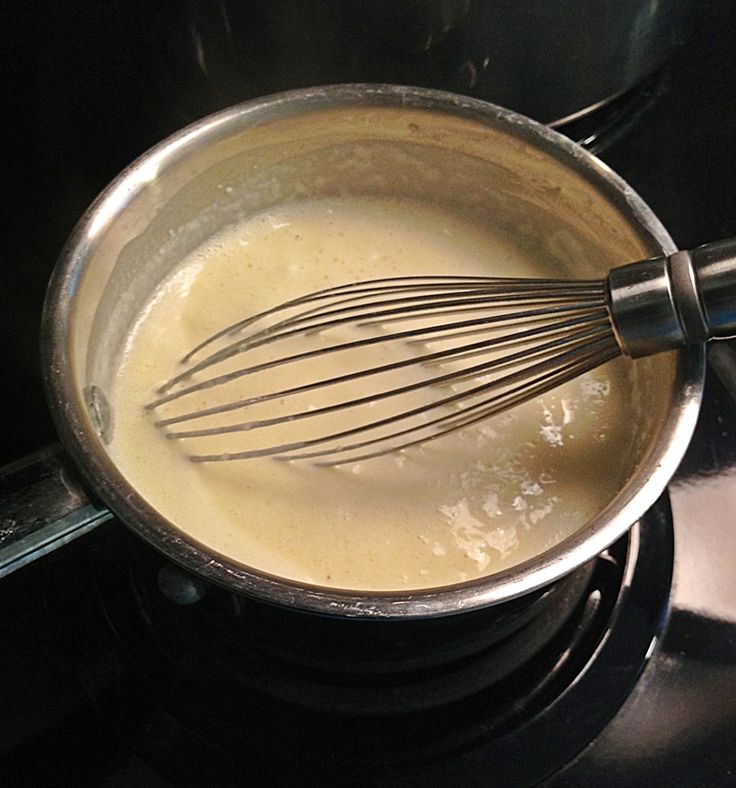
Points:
[[527, 336]]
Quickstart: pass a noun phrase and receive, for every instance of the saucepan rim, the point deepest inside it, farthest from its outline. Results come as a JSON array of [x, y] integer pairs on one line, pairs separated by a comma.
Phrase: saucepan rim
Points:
[[79, 438]]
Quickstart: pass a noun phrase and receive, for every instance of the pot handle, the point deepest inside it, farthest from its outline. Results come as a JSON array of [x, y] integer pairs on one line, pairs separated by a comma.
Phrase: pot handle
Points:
[[42, 507]]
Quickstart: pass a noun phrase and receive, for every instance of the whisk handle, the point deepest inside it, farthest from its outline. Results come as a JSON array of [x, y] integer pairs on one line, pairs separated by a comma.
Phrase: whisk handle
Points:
[[681, 299], [715, 269]]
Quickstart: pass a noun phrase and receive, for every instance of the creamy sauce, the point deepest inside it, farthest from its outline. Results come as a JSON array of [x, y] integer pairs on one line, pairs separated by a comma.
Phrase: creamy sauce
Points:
[[461, 507]]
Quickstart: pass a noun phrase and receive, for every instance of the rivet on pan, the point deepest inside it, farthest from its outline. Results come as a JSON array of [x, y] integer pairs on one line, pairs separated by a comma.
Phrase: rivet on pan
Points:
[[100, 412]]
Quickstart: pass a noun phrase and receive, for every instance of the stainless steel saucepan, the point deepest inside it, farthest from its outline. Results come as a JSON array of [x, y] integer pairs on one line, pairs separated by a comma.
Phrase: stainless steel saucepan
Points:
[[341, 140]]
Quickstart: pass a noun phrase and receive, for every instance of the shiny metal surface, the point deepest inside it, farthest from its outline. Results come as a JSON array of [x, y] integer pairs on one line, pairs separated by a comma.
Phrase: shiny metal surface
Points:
[[123, 246], [671, 301], [557, 61], [713, 265], [42, 507], [642, 308], [552, 61]]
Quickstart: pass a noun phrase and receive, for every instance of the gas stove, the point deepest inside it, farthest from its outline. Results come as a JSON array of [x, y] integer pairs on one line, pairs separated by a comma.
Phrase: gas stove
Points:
[[117, 671]]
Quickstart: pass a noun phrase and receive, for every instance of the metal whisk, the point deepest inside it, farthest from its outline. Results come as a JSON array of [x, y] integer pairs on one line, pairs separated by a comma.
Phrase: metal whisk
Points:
[[471, 347]]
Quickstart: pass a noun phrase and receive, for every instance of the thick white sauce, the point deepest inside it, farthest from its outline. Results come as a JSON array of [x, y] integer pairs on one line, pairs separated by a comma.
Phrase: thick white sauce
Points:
[[457, 508]]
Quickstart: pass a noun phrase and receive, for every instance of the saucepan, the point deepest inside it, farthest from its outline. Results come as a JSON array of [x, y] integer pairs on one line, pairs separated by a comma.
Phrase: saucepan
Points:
[[303, 144]]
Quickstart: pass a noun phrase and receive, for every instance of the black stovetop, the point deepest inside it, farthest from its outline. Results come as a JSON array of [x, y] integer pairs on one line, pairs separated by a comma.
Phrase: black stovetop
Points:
[[104, 682]]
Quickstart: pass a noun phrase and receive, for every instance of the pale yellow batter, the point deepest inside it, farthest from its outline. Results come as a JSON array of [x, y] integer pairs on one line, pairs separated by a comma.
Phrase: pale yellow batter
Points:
[[457, 508]]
